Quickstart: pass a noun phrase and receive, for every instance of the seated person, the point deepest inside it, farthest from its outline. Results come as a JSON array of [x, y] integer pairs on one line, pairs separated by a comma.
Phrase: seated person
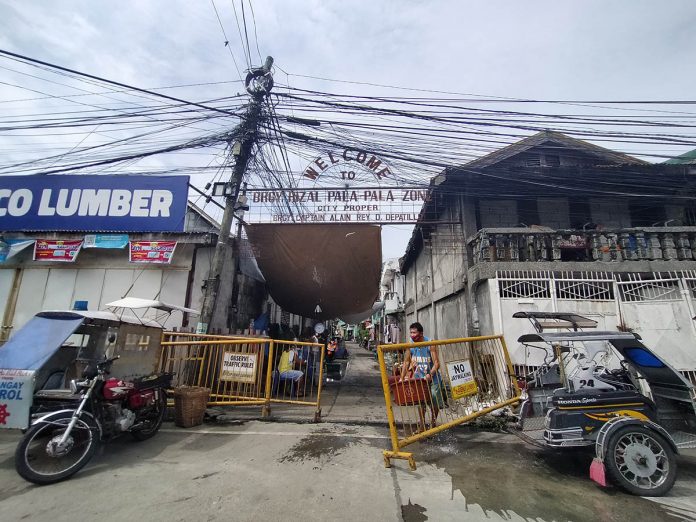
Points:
[[289, 368], [331, 349]]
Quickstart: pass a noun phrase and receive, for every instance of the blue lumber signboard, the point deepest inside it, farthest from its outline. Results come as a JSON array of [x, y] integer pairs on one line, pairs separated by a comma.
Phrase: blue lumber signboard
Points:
[[93, 203]]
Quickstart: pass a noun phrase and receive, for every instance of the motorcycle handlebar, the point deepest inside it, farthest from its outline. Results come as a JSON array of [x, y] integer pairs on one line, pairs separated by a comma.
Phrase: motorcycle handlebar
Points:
[[95, 368], [108, 360], [106, 363]]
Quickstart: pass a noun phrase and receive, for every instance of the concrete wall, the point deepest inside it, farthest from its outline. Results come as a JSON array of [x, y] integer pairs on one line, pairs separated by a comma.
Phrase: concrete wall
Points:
[[98, 276], [446, 271], [204, 259], [610, 213], [451, 317], [410, 295], [468, 215], [483, 321], [408, 319], [553, 212], [424, 319], [496, 213], [664, 324], [447, 244], [423, 273]]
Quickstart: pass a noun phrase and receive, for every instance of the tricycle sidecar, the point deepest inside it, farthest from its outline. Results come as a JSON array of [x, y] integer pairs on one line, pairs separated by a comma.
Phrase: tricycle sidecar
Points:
[[610, 391], [39, 361]]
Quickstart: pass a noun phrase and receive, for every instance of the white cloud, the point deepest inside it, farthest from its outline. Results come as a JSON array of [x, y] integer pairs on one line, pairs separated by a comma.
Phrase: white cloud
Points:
[[544, 49]]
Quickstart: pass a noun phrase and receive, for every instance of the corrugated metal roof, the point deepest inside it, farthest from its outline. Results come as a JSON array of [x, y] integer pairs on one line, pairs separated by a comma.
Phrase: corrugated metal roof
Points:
[[688, 158]]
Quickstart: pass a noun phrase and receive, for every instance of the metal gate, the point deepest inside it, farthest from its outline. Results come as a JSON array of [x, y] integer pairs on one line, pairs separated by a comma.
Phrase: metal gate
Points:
[[591, 294], [241, 371], [658, 306]]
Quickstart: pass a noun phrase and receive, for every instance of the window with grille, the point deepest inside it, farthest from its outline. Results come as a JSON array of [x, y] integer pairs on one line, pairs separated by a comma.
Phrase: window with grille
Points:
[[645, 291], [520, 289], [552, 160], [532, 161], [691, 285], [585, 290]]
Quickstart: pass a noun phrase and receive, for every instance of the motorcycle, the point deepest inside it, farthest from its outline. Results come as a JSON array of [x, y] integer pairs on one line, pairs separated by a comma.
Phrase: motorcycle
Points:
[[60, 443]]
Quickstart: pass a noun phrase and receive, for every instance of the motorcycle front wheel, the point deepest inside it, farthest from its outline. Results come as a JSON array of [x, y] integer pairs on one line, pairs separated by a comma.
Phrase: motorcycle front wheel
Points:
[[41, 459]]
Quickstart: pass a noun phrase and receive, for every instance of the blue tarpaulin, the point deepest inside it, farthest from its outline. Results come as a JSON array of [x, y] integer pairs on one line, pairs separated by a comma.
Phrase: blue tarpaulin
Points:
[[261, 322], [37, 341]]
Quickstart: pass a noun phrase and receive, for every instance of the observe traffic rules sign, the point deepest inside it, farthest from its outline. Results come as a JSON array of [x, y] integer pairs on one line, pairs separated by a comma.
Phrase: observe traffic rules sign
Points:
[[238, 367], [461, 379]]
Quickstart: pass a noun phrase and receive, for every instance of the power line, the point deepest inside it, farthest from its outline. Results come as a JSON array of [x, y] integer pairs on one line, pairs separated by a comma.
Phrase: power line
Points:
[[247, 55], [497, 98], [256, 36], [110, 82], [227, 40], [246, 34]]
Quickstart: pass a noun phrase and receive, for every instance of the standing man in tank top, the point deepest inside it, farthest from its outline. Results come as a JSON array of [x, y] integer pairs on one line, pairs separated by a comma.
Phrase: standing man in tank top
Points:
[[423, 362]]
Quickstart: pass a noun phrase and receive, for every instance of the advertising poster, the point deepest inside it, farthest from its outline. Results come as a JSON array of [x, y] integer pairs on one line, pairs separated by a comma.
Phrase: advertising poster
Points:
[[57, 250], [11, 247], [114, 203], [106, 241], [155, 252]]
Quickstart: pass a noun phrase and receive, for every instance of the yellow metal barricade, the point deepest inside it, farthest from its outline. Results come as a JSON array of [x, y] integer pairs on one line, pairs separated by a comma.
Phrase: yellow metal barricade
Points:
[[303, 383], [473, 379], [233, 369], [245, 371]]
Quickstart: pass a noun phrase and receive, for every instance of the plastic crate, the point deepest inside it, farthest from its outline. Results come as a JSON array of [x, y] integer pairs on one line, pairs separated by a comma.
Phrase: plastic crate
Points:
[[410, 392]]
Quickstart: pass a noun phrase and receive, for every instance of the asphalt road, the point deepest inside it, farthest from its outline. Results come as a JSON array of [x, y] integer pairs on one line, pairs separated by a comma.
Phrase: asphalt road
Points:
[[283, 471]]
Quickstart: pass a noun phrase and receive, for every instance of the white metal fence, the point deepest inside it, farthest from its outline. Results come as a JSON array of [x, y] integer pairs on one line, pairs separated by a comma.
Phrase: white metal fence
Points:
[[658, 306]]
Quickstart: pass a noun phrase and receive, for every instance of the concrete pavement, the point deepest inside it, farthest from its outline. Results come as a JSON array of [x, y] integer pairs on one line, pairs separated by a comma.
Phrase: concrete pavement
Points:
[[283, 471], [252, 470], [357, 398]]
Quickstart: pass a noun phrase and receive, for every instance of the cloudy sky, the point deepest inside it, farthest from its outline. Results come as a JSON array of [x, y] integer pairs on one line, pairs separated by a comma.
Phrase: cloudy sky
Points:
[[581, 50]]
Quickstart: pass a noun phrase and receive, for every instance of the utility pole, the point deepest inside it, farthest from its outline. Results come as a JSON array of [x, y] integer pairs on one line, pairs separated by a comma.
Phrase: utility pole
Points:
[[236, 284], [259, 83]]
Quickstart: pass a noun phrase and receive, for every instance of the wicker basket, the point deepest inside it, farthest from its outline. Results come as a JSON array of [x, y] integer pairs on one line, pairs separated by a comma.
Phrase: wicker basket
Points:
[[189, 405]]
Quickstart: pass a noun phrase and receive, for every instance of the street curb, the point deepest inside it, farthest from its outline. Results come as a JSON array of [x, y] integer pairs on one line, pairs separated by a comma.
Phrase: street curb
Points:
[[225, 419]]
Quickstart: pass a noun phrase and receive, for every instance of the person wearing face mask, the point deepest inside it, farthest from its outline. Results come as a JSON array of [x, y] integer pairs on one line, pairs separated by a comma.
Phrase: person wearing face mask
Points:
[[423, 362]]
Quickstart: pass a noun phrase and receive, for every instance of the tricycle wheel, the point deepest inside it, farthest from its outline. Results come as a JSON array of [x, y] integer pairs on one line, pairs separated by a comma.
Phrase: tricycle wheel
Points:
[[641, 461]]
